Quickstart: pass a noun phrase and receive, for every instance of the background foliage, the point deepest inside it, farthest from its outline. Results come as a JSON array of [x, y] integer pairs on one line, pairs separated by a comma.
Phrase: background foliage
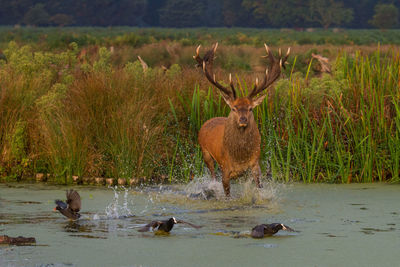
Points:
[[208, 13]]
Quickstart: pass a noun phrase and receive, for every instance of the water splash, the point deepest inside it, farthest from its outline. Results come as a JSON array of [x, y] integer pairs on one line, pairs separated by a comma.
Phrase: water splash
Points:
[[245, 191], [204, 187], [270, 192], [115, 210]]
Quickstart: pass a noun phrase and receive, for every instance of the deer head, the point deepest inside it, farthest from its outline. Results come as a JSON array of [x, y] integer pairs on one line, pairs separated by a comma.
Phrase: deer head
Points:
[[242, 107]]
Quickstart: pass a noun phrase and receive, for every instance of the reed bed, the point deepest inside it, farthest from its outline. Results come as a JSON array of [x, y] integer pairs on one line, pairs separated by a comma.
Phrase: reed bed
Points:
[[99, 114]]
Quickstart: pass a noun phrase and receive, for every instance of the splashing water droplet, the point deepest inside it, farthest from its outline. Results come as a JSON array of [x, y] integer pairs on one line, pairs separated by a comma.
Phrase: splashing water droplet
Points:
[[115, 210], [205, 187], [270, 192]]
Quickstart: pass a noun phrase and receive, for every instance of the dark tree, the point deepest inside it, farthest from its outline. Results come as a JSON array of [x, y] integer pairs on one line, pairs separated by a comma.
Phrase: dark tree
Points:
[[152, 17], [234, 14], [277, 13], [386, 16], [37, 16], [209, 13], [362, 12], [183, 13], [61, 20], [109, 12], [213, 13], [12, 12], [329, 12]]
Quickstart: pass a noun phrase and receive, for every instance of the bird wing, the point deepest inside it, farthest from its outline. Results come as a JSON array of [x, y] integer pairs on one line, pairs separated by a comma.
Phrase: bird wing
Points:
[[190, 224], [74, 200], [66, 211], [152, 224], [61, 204], [258, 231]]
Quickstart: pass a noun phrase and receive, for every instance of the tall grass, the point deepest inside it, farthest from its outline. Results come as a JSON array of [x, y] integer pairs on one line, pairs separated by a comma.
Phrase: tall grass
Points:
[[346, 134], [92, 121], [106, 117], [340, 128]]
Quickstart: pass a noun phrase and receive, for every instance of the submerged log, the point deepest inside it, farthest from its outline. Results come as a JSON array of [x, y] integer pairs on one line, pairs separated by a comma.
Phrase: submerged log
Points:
[[20, 240]]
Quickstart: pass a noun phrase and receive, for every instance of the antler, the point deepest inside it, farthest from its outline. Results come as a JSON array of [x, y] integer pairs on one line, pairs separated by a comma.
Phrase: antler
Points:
[[272, 72], [207, 64]]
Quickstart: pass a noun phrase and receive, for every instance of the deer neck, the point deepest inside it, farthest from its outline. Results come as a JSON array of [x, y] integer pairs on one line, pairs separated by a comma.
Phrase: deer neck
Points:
[[241, 143]]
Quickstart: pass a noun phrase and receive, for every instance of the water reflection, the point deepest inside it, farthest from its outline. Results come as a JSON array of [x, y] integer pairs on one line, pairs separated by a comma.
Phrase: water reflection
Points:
[[76, 226]]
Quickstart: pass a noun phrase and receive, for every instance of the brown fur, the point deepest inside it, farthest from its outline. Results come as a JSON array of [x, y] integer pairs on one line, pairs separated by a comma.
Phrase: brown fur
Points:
[[236, 149], [241, 143]]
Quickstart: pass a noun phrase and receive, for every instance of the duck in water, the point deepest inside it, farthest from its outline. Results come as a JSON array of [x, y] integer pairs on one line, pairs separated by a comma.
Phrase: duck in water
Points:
[[72, 207], [262, 230], [164, 226]]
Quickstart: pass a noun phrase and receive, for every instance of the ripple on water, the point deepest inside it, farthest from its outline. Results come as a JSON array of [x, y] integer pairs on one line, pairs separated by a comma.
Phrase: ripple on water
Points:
[[263, 245]]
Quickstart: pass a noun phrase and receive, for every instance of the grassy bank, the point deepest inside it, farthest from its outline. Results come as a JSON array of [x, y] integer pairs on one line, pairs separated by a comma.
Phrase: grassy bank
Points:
[[50, 38], [93, 112]]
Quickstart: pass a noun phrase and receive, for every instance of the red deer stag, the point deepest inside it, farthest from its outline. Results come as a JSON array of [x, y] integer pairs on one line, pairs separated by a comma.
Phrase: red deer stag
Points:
[[234, 141]]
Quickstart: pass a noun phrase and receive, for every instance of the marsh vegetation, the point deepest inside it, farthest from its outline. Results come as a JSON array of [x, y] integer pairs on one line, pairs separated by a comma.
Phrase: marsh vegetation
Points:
[[79, 103]]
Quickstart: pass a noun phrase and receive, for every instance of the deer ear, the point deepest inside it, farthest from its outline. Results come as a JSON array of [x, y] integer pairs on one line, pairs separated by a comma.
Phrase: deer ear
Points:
[[258, 100], [228, 100]]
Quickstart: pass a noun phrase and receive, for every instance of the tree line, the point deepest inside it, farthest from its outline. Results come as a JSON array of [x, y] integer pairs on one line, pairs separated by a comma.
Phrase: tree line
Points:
[[382, 14]]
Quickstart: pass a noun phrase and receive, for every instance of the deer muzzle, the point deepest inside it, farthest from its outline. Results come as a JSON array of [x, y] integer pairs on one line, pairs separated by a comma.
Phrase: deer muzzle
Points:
[[243, 122]]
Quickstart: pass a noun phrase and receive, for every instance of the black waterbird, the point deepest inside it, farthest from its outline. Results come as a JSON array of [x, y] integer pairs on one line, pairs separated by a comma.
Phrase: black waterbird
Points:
[[262, 230], [164, 226], [72, 207]]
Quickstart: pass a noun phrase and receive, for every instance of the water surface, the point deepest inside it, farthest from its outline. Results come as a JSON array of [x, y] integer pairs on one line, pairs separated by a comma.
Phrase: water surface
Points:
[[345, 225]]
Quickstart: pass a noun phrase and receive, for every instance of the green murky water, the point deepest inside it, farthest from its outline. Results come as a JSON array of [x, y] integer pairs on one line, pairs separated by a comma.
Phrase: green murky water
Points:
[[338, 225]]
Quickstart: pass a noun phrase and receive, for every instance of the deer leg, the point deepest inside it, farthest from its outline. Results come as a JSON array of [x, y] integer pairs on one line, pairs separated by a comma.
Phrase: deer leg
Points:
[[209, 162], [226, 183], [256, 174]]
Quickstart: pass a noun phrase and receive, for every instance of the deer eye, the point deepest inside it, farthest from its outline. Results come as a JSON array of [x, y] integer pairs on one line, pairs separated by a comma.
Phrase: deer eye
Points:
[[234, 109], [250, 109]]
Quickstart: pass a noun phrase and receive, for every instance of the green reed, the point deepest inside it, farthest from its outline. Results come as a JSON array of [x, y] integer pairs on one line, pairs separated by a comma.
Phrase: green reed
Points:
[[350, 135], [96, 119], [339, 128]]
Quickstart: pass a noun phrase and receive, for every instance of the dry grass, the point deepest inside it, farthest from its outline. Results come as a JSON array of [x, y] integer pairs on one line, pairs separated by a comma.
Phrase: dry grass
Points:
[[99, 115]]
